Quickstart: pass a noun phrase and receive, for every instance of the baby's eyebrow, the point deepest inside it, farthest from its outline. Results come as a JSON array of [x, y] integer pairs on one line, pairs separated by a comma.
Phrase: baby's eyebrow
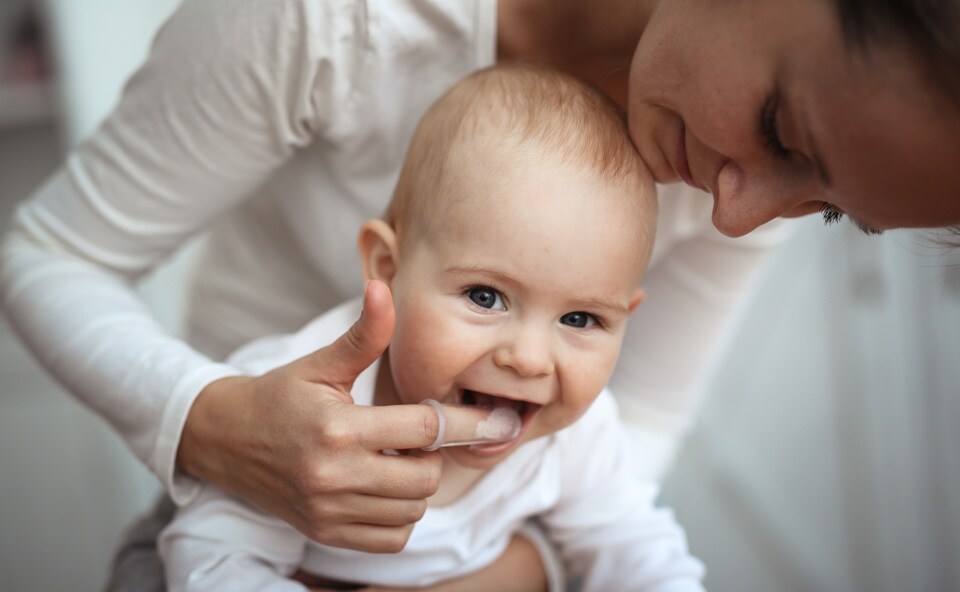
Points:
[[607, 303], [479, 270], [492, 274], [472, 269]]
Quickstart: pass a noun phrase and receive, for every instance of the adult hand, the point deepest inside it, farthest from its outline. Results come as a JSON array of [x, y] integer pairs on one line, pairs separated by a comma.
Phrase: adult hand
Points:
[[293, 443]]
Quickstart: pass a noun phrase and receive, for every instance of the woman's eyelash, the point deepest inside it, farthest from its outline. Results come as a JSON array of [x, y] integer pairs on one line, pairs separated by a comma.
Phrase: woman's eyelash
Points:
[[768, 128], [830, 213]]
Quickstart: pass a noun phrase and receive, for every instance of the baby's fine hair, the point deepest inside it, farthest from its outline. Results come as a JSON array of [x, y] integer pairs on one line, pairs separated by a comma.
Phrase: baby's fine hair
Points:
[[514, 105]]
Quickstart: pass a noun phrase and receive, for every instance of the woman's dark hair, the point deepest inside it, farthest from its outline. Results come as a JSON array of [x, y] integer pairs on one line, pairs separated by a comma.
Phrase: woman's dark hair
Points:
[[932, 27]]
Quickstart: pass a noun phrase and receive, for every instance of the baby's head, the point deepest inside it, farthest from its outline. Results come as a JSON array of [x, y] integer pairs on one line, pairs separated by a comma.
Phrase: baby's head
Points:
[[514, 246]]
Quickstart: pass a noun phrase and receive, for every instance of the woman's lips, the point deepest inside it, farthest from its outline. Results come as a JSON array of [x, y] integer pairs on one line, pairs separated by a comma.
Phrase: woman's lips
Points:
[[682, 165]]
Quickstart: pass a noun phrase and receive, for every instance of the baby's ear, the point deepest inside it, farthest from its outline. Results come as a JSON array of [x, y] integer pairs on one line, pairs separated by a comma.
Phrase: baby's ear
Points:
[[378, 251], [635, 300]]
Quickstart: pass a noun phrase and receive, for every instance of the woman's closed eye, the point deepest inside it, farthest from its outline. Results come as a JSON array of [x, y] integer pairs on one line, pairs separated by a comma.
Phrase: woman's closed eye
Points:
[[486, 297], [769, 130]]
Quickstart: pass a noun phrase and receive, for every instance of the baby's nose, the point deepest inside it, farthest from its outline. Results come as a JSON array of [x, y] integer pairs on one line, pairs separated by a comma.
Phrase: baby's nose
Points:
[[526, 352]]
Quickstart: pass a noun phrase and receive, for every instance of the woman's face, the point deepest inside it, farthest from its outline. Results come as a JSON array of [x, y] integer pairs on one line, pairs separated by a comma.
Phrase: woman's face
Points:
[[761, 103]]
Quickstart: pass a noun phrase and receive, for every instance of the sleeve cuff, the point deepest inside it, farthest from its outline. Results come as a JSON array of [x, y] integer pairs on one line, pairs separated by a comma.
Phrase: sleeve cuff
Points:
[[182, 487]]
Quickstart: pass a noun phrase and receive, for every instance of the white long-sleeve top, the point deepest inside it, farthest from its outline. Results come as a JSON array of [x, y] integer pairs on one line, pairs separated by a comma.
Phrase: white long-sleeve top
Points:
[[580, 482], [280, 126]]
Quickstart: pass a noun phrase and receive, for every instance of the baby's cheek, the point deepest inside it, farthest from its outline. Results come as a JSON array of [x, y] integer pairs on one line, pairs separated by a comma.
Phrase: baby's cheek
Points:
[[428, 346], [421, 334], [556, 418], [585, 385]]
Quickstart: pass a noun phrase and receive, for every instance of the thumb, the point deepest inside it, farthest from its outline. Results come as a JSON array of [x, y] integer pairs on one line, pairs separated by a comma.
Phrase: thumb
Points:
[[342, 361]]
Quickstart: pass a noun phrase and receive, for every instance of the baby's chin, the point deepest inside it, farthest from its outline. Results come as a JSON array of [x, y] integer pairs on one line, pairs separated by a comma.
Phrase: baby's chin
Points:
[[471, 458]]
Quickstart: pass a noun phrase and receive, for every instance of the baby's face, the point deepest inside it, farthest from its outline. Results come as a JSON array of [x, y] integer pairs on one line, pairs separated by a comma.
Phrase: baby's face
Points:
[[519, 296]]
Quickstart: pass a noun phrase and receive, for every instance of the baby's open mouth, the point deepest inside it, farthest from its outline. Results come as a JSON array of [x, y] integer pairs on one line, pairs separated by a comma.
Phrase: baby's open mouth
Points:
[[525, 409], [487, 425], [485, 401]]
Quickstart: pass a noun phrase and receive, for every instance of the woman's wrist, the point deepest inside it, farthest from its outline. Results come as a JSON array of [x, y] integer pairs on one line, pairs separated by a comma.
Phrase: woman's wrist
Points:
[[209, 420]]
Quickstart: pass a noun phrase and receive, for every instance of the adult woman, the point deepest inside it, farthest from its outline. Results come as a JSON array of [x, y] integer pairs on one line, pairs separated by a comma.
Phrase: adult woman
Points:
[[295, 113]]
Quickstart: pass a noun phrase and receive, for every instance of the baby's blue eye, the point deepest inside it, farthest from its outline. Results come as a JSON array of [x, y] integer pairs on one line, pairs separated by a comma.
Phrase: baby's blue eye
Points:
[[578, 319], [485, 297]]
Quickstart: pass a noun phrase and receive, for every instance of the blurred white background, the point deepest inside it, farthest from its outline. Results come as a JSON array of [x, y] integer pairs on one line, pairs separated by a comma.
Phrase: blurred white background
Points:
[[827, 457]]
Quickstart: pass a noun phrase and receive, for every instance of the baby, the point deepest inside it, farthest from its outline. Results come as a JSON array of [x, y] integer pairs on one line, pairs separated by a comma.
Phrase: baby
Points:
[[513, 247]]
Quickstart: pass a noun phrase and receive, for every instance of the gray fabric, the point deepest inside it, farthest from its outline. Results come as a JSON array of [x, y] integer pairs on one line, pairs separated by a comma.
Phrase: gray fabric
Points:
[[136, 566]]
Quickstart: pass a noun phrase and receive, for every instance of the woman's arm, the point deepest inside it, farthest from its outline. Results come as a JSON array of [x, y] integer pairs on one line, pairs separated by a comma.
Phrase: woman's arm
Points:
[[230, 91], [695, 291], [224, 98]]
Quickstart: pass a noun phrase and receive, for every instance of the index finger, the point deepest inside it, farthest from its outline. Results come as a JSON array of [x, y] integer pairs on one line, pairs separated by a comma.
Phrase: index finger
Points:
[[398, 427], [407, 427]]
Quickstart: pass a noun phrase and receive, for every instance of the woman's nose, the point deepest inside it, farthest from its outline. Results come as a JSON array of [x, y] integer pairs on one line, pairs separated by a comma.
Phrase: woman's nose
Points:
[[525, 350], [742, 202]]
